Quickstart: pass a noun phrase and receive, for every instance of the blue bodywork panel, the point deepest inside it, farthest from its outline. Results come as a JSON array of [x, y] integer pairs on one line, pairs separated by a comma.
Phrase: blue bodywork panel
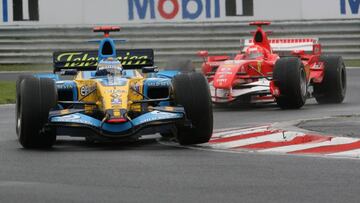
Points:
[[110, 45], [47, 75], [167, 73], [68, 85], [147, 118], [157, 83]]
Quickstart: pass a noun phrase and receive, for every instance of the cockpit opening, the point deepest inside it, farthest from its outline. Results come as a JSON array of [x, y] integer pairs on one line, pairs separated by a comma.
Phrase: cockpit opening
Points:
[[107, 49]]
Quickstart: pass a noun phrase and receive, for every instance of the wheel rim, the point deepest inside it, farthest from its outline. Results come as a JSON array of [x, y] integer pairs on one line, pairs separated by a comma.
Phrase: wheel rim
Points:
[[19, 124], [343, 79], [17, 115], [18, 121], [303, 85]]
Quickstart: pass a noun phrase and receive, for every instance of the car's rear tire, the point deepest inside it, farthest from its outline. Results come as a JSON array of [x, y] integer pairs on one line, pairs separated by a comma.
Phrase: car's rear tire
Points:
[[289, 75], [191, 91], [35, 99], [333, 87]]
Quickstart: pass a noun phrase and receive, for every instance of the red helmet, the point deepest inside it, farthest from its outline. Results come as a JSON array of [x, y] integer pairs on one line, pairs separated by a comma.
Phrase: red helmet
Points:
[[255, 52]]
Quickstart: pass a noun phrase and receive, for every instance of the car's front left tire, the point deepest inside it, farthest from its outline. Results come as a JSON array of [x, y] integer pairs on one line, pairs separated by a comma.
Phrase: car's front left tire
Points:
[[289, 75], [333, 87], [34, 100]]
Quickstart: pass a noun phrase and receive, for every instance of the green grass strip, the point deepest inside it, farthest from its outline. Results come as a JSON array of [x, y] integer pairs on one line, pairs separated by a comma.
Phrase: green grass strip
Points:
[[352, 63], [7, 92], [26, 67]]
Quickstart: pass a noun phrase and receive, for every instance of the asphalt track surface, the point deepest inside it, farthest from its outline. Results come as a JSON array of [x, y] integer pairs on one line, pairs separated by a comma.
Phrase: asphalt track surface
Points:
[[150, 172]]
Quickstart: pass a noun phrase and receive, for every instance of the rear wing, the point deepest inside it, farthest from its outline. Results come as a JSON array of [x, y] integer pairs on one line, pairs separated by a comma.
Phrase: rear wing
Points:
[[284, 46], [88, 60]]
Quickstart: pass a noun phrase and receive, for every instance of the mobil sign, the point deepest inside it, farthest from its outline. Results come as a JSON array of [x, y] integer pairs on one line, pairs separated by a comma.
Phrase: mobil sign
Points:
[[349, 6], [173, 9], [179, 10]]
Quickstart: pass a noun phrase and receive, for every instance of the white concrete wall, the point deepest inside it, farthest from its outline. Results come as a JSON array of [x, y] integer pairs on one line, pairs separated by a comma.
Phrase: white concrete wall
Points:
[[70, 12]]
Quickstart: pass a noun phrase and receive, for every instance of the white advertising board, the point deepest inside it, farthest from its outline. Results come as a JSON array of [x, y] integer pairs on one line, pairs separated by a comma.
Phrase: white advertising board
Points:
[[68, 12]]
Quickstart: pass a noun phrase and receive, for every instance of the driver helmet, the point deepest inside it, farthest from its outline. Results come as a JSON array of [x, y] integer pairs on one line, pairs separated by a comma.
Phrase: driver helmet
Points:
[[109, 67], [254, 52]]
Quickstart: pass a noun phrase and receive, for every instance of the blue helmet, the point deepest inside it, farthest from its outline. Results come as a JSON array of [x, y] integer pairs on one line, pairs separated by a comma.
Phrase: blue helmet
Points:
[[109, 66]]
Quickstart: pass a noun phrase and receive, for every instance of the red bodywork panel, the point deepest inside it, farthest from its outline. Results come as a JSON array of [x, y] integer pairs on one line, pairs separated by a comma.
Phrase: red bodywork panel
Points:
[[225, 75], [233, 72], [106, 29]]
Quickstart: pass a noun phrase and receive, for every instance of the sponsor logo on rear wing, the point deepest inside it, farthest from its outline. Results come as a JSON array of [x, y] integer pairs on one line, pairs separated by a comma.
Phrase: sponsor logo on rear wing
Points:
[[88, 60], [285, 45]]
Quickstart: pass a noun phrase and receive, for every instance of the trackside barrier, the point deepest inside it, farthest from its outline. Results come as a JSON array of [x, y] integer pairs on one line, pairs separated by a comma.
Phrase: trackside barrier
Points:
[[31, 44]]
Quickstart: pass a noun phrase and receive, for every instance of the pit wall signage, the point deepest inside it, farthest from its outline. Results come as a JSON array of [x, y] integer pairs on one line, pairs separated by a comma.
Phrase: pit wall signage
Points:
[[188, 9], [80, 12]]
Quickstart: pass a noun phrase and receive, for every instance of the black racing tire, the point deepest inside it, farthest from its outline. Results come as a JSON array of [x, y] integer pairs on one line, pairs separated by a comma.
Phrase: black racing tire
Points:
[[17, 105], [289, 75], [37, 96], [333, 87], [20, 79], [191, 91]]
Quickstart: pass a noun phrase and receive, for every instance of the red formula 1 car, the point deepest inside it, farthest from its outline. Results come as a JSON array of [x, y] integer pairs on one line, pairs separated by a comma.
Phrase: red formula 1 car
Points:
[[285, 71]]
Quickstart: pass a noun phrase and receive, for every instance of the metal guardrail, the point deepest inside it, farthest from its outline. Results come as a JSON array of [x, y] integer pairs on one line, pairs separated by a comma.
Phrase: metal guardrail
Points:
[[31, 44]]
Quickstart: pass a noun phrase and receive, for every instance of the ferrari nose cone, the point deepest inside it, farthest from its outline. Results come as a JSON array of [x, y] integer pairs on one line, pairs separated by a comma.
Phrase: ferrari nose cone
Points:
[[224, 76]]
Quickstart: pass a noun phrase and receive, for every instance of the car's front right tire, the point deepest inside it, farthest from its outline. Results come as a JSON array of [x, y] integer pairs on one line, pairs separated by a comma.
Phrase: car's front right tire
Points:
[[191, 91]]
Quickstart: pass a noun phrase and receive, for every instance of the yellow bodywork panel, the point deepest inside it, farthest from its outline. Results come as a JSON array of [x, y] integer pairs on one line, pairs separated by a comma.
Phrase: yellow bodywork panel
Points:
[[85, 87], [111, 97]]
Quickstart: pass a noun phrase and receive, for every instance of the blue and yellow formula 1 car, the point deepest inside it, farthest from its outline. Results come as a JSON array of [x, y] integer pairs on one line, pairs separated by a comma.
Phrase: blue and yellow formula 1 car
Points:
[[110, 99]]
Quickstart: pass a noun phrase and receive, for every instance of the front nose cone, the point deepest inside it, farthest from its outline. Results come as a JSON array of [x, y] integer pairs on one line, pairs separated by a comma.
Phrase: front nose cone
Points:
[[116, 116]]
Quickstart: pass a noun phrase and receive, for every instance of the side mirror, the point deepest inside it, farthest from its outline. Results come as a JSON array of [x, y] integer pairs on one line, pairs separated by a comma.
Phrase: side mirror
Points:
[[203, 53], [150, 69], [317, 49], [69, 72]]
